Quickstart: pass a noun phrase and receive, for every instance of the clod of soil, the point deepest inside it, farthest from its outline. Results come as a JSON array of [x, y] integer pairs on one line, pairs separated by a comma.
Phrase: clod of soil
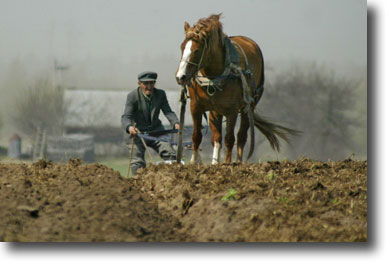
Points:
[[51, 202], [301, 200]]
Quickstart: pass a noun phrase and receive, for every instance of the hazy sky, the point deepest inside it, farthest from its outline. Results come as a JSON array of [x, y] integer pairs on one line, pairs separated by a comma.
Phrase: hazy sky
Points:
[[128, 36]]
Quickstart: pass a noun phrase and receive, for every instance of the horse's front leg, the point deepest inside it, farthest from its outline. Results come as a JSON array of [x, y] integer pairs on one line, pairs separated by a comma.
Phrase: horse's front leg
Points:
[[196, 137], [242, 136], [229, 137], [215, 122]]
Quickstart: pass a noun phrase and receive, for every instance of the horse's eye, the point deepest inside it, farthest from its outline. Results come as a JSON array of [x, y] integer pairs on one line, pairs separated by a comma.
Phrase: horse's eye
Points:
[[197, 50]]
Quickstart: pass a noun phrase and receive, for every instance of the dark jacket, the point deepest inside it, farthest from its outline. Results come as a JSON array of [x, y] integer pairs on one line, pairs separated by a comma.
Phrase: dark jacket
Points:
[[136, 111]]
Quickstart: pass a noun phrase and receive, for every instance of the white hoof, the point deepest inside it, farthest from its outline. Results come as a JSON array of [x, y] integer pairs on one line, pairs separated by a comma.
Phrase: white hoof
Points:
[[195, 159]]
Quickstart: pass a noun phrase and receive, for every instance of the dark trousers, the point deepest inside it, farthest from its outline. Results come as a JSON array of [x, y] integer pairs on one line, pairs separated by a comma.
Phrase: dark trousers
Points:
[[164, 149]]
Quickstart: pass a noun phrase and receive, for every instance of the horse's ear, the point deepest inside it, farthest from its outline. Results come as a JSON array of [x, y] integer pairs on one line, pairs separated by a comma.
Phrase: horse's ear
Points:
[[186, 26]]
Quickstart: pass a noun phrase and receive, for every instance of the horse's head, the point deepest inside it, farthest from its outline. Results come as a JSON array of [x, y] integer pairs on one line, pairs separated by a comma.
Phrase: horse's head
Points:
[[193, 51], [196, 46]]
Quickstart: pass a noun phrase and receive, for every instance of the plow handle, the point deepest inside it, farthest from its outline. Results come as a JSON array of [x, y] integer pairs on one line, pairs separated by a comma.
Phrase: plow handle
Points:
[[183, 101]]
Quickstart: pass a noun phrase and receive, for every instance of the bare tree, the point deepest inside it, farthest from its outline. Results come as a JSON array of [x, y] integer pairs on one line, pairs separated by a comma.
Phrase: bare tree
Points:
[[41, 105], [315, 101]]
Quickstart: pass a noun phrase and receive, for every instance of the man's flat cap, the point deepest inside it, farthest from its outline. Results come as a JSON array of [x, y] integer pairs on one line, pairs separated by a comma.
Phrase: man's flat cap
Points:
[[147, 76]]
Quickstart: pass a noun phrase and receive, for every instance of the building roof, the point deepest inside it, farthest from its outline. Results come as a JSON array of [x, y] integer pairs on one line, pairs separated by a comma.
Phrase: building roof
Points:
[[86, 108]]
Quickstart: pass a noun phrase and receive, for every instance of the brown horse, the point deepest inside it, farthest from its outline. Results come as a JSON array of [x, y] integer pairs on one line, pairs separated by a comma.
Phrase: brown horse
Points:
[[224, 75]]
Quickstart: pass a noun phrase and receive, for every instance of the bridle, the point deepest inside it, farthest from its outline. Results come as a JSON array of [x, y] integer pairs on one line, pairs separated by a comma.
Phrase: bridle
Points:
[[201, 58]]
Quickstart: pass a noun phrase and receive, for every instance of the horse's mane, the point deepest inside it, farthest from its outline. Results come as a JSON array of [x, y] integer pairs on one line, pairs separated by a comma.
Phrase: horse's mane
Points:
[[210, 26]]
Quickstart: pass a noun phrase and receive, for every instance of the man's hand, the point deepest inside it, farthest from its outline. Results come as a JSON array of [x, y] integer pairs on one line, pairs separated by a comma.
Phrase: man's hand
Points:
[[132, 130], [177, 126]]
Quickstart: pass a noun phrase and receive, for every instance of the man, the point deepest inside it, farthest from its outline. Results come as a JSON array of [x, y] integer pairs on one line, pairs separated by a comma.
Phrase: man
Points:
[[141, 113]]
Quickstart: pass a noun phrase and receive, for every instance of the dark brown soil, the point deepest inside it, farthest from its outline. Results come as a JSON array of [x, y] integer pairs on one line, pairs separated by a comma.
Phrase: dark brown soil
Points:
[[300, 200]]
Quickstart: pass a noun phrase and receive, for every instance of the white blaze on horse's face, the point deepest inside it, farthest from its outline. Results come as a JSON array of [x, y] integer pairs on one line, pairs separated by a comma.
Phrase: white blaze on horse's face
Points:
[[184, 61]]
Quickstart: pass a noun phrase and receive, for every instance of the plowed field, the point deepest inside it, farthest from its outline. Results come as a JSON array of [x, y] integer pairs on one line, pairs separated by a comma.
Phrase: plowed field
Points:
[[301, 200]]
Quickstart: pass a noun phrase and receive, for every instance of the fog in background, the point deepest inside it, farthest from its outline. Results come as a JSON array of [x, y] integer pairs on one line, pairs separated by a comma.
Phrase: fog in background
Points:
[[105, 44]]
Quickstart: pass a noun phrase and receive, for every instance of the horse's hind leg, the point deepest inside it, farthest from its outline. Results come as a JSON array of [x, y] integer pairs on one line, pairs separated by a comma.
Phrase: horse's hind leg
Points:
[[242, 136], [215, 122], [196, 137], [229, 137]]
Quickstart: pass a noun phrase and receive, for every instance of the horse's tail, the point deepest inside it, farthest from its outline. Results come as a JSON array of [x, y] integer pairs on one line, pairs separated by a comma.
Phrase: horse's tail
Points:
[[252, 124], [272, 131]]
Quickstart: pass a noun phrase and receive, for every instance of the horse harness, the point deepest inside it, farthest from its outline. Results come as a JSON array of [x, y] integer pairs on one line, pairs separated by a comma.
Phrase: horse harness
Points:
[[232, 71]]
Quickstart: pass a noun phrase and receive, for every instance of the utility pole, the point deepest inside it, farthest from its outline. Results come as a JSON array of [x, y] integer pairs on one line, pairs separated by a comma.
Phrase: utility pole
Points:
[[58, 69]]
